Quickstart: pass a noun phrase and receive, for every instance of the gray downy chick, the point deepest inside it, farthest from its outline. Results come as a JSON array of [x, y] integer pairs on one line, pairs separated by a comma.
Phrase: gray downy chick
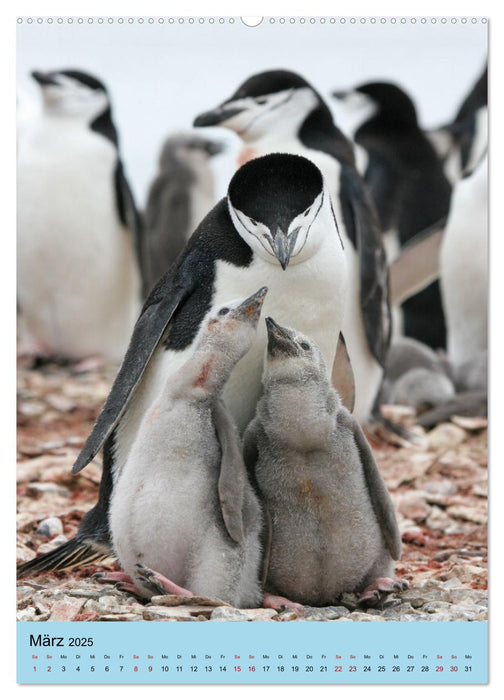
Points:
[[183, 506], [181, 195], [333, 526], [416, 375], [421, 389]]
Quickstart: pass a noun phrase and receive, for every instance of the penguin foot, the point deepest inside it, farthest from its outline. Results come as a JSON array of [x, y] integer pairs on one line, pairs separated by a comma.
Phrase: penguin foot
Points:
[[380, 588], [123, 582], [279, 603], [131, 588], [112, 577], [160, 583]]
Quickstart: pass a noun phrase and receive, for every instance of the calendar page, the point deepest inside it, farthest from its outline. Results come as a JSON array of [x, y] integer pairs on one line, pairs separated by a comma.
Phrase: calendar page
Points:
[[252, 298]]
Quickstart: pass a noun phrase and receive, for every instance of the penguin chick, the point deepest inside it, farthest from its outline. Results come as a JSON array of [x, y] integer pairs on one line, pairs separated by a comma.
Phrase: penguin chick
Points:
[[416, 376], [422, 389], [333, 527], [407, 353], [183, 506], [179, 198]]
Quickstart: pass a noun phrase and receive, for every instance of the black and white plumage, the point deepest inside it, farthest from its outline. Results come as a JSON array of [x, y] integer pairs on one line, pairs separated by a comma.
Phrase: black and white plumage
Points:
[[180, 196], [280, 111], [275, 228], [78, 229], [406, 180], [462, 142]]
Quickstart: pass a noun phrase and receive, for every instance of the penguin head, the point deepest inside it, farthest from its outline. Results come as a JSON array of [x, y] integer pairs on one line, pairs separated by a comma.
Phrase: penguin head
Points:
[[190, 148], [273, 101], [231, 327], [291, 355], [73, 93], [279, 205], [386, 101]]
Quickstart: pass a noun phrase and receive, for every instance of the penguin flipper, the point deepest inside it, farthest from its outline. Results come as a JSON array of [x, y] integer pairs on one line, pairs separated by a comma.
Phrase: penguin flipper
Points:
[[128, 213], [157, 312], [232, 472], [72, 553], [250, 456], [378, 492], [364, 231], [418, 264], [342, 376]]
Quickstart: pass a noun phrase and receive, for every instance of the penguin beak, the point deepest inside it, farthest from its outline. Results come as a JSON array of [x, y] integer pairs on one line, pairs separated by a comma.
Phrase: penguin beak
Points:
[[43, 78], [250, 309], [217, 116], [283, 246], [280, 341]]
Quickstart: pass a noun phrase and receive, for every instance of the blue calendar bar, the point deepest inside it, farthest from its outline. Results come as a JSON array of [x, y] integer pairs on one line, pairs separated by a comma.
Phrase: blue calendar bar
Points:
[[252, 652]]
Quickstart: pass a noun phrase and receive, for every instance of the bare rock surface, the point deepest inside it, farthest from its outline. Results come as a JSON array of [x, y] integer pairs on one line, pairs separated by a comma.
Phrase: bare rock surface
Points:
[[439, 488]]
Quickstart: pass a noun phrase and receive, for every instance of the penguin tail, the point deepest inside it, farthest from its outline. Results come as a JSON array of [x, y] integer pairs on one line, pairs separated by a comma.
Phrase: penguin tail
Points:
[[75, 552]]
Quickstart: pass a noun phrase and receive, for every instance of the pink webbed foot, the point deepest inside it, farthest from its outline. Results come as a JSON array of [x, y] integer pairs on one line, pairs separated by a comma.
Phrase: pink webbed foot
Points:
[[380, 588], [279, 603], [112, 576], [159, 583], [123, 581]]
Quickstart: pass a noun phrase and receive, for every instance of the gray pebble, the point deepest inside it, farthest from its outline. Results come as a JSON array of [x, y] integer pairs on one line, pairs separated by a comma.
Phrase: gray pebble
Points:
[[50, 527]]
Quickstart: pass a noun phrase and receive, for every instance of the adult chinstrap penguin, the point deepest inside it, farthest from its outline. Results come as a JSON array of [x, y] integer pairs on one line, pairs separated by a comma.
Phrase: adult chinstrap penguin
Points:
[[78, 229], [280, 111], [275, 228], [180, 196], [406, 180]]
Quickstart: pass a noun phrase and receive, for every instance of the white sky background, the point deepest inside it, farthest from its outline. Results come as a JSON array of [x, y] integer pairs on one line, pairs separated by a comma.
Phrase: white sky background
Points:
[[161, 76]]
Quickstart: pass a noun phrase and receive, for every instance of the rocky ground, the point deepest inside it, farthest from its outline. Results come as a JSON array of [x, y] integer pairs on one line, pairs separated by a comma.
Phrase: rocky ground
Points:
[[439, 487]]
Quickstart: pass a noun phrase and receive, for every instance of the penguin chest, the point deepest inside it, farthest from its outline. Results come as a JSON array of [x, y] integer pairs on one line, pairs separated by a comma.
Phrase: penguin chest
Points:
[[309, 297], [167, 495], [325, 533]]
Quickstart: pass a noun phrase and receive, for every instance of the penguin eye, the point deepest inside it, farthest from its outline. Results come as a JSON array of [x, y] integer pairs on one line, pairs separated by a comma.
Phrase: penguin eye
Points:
[[261, 100], [223, 311], [305, 346]]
